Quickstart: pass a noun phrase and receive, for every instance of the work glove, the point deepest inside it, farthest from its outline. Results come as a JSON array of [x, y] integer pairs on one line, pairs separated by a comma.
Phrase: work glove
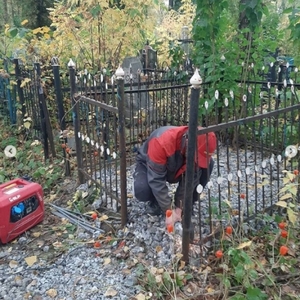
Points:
[[173, 216]]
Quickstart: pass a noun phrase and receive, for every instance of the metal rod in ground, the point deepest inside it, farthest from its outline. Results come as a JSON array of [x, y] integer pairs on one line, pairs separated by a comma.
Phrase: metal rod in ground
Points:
[[190, 166], [71, 215], [77, 220]]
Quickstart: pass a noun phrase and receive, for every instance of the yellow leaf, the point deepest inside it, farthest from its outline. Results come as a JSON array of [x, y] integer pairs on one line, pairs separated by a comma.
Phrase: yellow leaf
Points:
[[13, 264], [228, 203], [47, 36], [37, 30], [210, 290], [24, 22], [281, 203], [291, 176], [27, 125], [158, 278], [244, 245], [285, 180], [107, 261], [140, 296], [103, 218], [46, 29], [158, 248], [293, 190], [52, 293], [110, 292], [36, 234], [286, 196], [292, 216], [30, 260], [24, 82]]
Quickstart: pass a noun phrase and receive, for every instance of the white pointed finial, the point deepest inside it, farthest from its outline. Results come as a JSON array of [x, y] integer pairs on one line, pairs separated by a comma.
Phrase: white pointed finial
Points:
[[120, 73], [196, 80], [71, 63]]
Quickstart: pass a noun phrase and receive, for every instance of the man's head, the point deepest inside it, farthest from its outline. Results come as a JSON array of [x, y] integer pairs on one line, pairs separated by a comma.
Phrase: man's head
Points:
[[207, 144]]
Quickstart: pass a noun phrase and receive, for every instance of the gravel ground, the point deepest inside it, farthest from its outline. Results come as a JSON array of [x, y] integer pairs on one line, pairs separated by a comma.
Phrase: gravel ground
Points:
[[111, 271]]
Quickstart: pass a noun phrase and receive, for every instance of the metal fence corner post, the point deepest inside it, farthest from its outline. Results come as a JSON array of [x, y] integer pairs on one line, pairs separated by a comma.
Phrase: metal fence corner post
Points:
[[60, 106], [76, 120], [122, 142], [192, 134]]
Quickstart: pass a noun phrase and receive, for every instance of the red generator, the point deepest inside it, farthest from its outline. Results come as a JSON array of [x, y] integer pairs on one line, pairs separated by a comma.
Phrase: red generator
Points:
[[21, 207]]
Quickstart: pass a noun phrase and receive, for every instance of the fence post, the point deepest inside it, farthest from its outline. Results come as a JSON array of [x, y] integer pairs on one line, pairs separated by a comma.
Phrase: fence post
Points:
[[11, 103], [189, 177], [76, 120], [46, 125], [19, 88], [61, 112], [122, 143]]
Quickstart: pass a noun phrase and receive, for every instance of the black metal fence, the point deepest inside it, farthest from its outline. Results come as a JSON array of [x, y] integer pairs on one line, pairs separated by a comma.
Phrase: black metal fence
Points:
[[107, 118]]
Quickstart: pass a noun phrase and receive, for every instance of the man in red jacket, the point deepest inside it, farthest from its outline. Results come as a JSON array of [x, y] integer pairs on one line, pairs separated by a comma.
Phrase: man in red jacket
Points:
[[161, 159]]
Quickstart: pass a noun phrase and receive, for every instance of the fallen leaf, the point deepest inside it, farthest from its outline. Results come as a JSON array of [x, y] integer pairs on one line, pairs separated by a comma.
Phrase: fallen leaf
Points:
[[30, 260], [52, 293], [140, 296], [110, 292], [107, 261], [129, 196], [13, 264], [36, 234], [57, 244], [122, 244], [158, 278], [126, 249], [158, 249], [244, 245], [103, 218]]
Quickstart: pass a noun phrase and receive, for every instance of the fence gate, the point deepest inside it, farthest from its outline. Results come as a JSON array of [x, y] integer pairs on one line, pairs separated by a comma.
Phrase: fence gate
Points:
[[100, 145]]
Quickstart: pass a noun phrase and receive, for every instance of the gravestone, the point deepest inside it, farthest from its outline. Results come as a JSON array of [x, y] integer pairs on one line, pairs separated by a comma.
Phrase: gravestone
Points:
[[138, 105]]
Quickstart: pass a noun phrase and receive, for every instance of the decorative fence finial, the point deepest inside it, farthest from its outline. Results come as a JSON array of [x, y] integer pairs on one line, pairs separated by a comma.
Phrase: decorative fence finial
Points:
[[120, 73], [71, 63], [196, 80]]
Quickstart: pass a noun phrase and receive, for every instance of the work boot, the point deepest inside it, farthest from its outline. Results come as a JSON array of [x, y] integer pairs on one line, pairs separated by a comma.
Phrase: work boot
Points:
[[153, 209]]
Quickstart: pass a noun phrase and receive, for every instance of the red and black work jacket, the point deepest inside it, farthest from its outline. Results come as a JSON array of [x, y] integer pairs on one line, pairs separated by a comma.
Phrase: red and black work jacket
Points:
[[163, 153]]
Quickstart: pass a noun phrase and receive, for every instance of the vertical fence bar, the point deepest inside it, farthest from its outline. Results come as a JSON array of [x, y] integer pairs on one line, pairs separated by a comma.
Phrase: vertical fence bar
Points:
[[19, 88], [76, 121], [122, 143], [44, 110], [61, 111], [42, 116], [192, 134]]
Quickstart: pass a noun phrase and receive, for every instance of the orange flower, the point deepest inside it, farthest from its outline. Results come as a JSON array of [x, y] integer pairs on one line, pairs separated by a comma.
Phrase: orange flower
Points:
[[243, 196], [296, 172], [281, 225], [229, 230], [94, 216], [284, 233], [168, 213], [97, 244], [219, 254], [283, 250], [170, 228]]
